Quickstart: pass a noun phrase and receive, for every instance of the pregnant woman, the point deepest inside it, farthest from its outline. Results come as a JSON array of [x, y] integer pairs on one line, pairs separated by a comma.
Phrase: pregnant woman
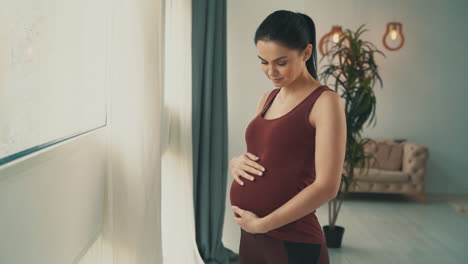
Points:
[[295, 150]]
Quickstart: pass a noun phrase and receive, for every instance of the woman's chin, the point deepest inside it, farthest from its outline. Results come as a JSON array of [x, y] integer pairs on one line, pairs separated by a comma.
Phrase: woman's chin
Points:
[[277, 82]]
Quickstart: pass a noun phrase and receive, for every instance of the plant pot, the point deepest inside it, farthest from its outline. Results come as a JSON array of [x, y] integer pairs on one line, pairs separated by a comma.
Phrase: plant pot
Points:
[[333, 236]]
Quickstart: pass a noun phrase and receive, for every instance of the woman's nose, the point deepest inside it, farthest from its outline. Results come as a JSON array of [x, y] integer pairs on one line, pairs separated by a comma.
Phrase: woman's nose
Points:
[[271, 71]]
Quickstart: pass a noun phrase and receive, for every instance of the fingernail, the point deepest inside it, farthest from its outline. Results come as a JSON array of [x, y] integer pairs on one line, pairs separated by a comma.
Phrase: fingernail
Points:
[[263, 169]]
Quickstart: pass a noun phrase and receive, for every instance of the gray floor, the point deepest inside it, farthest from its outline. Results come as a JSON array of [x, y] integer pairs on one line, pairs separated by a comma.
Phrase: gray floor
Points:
[[381, 229], [397, 229]]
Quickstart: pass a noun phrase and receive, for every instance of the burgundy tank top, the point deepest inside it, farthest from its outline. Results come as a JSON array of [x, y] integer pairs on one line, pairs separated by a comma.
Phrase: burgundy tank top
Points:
[[286, 148]]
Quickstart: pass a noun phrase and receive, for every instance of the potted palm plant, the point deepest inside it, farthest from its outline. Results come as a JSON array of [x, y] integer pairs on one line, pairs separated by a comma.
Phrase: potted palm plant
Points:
[[353, 71]]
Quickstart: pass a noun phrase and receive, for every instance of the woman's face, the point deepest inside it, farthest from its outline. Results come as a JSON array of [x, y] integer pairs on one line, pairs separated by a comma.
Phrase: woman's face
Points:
[[280, 64]]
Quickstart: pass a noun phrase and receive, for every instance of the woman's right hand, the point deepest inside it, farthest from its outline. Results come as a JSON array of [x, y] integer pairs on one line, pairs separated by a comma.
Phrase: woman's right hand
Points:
[[244, 163]]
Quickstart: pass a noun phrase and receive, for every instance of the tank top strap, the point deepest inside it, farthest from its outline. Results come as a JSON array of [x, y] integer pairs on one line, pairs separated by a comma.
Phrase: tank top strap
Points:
[[309, 102], [269, 100]]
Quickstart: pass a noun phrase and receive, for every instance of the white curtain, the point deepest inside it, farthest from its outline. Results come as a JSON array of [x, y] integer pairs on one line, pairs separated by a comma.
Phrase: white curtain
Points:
[[149, 217], [132, 230], [132, 227], [178, 221]]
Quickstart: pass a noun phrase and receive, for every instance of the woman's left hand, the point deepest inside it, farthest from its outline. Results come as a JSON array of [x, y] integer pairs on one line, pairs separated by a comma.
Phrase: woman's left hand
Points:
[[249, 221]]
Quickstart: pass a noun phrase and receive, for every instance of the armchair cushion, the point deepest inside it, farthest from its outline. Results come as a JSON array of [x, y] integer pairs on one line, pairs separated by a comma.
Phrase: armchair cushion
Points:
[[377, 175], [388, 155]]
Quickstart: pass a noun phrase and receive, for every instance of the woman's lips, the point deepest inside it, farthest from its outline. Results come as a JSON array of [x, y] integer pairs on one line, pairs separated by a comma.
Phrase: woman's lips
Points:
[[277, 80]]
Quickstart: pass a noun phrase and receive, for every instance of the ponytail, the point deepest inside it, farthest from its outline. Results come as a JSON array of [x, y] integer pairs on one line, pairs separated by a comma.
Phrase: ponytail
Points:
[[311, 63]]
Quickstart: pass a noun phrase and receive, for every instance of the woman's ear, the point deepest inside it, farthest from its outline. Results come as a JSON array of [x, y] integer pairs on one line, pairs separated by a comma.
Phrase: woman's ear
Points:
[[308, 52]]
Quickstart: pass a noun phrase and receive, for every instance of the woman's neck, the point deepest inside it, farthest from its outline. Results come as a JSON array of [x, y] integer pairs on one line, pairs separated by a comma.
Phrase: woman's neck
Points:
[[303, 84]]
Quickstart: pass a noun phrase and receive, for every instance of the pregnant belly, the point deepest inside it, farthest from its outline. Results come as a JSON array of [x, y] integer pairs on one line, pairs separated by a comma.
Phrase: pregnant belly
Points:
[[265, 194]]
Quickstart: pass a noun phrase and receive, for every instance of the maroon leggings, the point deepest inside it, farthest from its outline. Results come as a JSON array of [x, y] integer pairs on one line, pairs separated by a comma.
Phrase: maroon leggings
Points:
[[265, 249]]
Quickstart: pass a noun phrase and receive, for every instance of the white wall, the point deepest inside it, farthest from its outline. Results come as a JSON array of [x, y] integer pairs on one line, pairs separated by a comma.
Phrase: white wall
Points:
[[52, 205], [424, 90]]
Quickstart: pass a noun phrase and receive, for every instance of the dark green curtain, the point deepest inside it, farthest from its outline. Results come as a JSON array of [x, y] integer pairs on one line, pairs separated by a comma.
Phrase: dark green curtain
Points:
[[209, 117]]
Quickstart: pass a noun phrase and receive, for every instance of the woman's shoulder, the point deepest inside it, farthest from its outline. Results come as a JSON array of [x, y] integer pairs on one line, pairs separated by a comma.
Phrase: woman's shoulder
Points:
[[328, 101], [328, 96], [328, 106], [328, 89]]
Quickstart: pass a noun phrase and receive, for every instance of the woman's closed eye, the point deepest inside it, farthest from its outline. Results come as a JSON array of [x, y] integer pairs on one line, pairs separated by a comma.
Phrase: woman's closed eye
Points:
[[280, 64]]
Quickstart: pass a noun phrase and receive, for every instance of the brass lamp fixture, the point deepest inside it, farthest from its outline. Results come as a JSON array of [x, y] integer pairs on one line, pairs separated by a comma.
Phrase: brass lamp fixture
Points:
[[394, 30], [333, 35]]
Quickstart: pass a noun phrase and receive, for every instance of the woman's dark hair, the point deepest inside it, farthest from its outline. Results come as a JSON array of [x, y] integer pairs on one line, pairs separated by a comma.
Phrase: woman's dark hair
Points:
[[290, 29]]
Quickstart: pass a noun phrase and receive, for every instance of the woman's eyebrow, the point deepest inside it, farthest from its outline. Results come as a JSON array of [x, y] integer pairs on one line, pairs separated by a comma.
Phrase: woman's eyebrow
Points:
[[282, 57]]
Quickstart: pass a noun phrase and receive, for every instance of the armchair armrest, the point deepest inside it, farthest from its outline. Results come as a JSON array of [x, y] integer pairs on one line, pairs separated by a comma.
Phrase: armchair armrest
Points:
[[414, 161]]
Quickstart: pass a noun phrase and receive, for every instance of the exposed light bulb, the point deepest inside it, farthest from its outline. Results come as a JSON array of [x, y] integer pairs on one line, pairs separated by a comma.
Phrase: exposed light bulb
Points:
[[394, 34], [336, 37]]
